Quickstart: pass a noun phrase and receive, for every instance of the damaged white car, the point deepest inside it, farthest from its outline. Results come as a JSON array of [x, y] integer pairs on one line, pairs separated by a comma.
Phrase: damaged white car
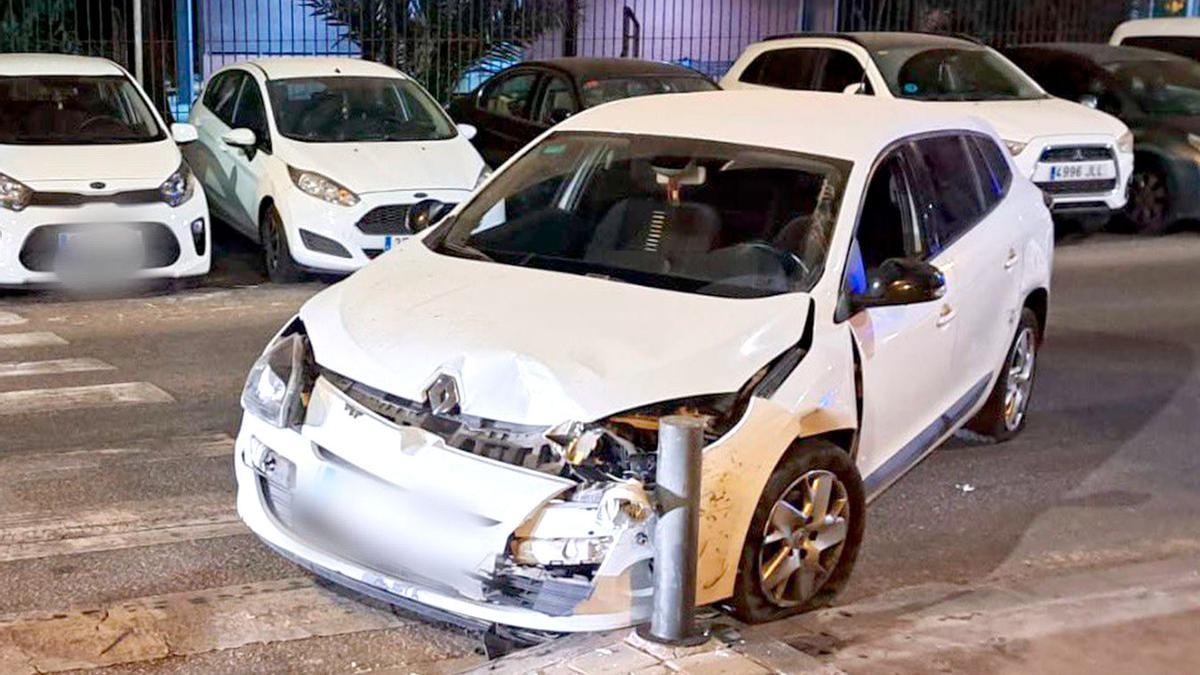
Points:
[[467, 426]]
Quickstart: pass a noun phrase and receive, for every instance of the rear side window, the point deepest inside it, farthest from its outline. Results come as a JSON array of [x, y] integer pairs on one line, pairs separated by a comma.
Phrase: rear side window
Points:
[[795, 68], [1174, 44], [951, 179], [994, 173]]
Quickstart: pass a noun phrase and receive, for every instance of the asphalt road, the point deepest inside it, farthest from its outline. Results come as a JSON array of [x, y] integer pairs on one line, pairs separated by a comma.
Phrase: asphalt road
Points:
[[119, 545]]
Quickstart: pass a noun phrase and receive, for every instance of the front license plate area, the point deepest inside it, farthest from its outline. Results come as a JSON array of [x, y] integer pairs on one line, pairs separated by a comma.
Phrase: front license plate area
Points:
[[1079, 171], [99, 251]]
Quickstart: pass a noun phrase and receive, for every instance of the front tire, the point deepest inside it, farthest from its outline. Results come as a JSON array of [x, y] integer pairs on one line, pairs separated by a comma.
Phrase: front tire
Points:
[[804, 536], [277, 255], [1149, 202], [1003, 415]]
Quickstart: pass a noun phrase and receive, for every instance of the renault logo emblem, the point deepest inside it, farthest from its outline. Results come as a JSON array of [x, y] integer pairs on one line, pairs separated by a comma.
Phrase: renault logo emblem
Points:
[[443, 395]]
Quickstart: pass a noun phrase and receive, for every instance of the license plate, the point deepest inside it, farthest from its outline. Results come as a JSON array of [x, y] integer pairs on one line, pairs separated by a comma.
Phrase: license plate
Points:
[[100, 240], [1081, 171], [392, 240]]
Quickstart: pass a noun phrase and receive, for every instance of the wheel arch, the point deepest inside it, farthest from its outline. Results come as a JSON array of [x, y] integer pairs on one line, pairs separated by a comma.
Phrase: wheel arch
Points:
[[1038, 300]]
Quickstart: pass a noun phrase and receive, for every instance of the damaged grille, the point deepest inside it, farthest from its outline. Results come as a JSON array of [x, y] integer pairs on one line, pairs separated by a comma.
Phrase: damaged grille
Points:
[[515, 444]]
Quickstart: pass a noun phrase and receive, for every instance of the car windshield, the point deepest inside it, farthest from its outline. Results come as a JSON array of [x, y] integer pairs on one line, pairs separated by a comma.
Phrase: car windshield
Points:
[[356, 109], [1161, 87], [599, 91], [683, 214], [74, 110], [953, 74]]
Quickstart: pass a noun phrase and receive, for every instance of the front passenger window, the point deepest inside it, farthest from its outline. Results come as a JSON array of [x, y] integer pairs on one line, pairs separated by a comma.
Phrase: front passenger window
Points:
[[887, 226], [510, 97], [252, 115]]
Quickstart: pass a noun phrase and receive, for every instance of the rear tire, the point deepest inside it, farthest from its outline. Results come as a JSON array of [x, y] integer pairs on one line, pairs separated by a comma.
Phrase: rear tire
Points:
[[794, 560], [1003, 415], [277, 255]]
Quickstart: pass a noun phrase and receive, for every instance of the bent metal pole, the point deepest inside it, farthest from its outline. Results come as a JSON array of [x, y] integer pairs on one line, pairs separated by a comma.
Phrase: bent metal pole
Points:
[[680, 440]]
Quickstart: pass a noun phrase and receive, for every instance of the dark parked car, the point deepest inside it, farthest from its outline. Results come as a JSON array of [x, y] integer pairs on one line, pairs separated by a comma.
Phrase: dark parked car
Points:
[[1157, 94], [521, 102]]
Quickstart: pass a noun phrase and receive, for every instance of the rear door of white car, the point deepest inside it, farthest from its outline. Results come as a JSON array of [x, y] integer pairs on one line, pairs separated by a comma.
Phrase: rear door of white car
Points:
[[977, 232], [906, 351], [815, 67]]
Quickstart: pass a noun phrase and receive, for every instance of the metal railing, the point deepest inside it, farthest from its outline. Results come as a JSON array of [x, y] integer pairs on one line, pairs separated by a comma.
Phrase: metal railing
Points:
[[174, 45]]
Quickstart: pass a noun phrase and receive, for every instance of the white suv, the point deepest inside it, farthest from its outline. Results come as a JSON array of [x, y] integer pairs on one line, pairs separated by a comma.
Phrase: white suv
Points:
[[832, 298], [1081, 158], [319, 159], [93, 188]]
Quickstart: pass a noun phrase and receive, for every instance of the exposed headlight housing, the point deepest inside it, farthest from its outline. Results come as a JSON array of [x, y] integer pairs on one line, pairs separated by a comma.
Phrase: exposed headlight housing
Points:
[[277, 382], [178, 187], [1015, 147], [1125, 142], [14, 195], [322, 187]]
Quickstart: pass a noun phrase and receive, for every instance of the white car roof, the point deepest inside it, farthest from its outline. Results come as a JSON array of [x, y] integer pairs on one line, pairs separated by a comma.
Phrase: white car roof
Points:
[[1173, 26], [286, 67], [838, 125], [56, 64]]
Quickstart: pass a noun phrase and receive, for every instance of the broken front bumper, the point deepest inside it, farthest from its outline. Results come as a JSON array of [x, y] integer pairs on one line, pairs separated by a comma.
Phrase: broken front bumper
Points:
[[430, 496]]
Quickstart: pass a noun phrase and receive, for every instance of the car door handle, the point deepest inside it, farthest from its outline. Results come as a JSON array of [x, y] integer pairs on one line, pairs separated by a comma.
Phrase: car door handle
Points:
[[946, 316], [1012, 259]]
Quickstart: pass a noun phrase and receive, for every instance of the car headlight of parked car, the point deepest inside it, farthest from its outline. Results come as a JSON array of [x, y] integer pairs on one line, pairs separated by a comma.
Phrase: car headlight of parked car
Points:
[[14, 195], [178, 187], [322, 187], [1125, 142], [1015, 147], [280, 379]]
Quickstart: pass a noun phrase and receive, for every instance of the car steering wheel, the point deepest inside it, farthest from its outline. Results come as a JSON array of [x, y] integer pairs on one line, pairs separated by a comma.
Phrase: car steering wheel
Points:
[[99, 119], [792, 264]]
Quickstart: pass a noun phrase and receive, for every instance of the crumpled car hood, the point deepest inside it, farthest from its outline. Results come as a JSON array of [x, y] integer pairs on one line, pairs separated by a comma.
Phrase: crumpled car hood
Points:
[[537, 347]]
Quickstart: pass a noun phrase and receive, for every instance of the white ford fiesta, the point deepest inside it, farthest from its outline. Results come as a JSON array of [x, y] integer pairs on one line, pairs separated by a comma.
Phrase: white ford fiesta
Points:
[[92, 184], [319, 159], [468, 425]]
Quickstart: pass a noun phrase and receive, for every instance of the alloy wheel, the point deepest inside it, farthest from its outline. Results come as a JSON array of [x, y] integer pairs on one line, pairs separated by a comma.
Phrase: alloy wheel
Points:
[[1020, 378], [1148, 201], [803, 538]]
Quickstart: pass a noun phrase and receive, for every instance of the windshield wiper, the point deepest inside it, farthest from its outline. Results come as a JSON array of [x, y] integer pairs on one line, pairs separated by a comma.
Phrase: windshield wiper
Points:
[[466, 251]]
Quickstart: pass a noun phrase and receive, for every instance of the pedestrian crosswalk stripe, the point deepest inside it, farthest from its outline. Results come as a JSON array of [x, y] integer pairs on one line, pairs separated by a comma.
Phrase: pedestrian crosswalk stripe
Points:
[[52, 367], [34, 464], [10, 319], [41, 533], [37, 339], [182, 624], [69, 398]]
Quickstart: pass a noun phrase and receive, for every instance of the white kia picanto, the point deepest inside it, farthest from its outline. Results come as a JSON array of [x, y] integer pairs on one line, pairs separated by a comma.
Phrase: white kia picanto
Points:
[[469, 424], [319, 159], [92, 185]]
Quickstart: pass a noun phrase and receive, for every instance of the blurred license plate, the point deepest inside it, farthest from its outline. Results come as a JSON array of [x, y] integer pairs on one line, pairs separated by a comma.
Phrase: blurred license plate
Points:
[[1082, 171], [100, 240], [392, 240]]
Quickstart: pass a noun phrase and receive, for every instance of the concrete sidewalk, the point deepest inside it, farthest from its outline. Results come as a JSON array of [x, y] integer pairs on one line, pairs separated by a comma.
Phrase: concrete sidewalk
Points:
[[1142, 618]]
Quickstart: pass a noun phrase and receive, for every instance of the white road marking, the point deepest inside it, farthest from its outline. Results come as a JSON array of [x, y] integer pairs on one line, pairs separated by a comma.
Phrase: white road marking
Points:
[[37, 339], [181, 624], [69, 398], [32, 464], [38, 534], [10, 319], [52, 367]]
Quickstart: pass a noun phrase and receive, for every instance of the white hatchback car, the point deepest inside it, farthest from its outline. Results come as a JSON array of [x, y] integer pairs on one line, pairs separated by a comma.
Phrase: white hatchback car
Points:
[[1176, 34], [92, 183], [1081, 158], [832, 297], [319, 159]]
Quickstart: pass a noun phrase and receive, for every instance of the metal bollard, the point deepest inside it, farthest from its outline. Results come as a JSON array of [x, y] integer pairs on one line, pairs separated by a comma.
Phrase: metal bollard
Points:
[[680, 440]]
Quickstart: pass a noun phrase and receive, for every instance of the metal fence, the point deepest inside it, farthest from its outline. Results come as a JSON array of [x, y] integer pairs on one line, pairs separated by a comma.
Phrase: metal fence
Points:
[[453, 45]]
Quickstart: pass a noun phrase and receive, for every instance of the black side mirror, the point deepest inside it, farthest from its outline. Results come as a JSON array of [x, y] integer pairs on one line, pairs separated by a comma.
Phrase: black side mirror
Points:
[[425, 214], [900, 281]]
